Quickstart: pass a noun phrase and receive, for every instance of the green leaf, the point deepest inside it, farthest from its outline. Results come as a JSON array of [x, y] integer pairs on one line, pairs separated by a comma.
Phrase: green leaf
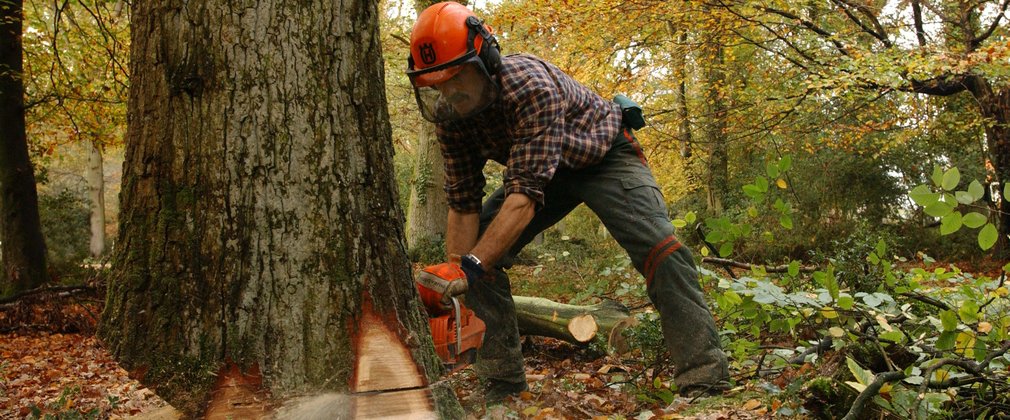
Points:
[[974, 220], [786, 221], [725, 249], [846, 302], [881, 248], [987, 236], [761, 183], [950, 179], [964, 197], [950, 223], [690, 217], [753, 191], [794, 268], [939, 209], [976, 190], [733, 297], [785, 163], [949, 320], [679, 223], [937, 176], [1006, 191], [893, 336], [865, 377], [968, 311], [947, 340], [772, 169], [923, 196]]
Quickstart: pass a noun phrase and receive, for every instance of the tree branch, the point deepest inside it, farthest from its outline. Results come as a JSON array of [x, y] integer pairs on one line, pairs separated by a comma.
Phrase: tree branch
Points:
[[920, 33], [878, 32], [776, 269], [871, 390], [976, 41], [44, 290], [811, 26]]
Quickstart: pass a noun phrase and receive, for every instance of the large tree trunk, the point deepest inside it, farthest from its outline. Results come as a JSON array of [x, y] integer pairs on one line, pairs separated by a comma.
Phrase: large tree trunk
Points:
[[23, 251], [96, 199], [259, 217], [995, 106]]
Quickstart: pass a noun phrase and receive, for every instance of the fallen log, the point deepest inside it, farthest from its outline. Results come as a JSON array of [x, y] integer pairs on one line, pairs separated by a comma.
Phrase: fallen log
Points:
[[575, 324]]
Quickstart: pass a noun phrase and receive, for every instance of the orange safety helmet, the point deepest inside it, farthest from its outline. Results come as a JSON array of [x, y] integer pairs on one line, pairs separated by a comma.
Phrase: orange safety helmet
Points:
[[444, 37]]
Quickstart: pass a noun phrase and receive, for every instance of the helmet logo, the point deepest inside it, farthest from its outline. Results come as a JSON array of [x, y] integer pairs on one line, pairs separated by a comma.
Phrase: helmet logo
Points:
[[427, 53]]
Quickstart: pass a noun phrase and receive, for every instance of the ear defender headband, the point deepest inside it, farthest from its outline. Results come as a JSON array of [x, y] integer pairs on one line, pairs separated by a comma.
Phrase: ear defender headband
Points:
[[490, 52]]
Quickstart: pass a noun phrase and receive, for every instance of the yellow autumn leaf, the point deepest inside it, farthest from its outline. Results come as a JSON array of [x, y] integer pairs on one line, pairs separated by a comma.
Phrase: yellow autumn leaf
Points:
[[829, 313], [781, 183], [886, 388], [1002, 291]]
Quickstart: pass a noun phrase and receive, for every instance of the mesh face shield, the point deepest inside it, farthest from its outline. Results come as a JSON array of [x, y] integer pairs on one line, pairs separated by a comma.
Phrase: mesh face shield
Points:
[[456, 90]]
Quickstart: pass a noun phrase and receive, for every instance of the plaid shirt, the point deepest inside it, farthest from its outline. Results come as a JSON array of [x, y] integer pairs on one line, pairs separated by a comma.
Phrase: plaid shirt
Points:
[[543, 120]]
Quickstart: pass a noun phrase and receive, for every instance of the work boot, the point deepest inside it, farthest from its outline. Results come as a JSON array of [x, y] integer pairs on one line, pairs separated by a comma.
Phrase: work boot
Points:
[[496, 391]]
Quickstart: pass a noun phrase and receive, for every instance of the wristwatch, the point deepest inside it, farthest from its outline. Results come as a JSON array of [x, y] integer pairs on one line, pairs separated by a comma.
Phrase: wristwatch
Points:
[[472, 260]]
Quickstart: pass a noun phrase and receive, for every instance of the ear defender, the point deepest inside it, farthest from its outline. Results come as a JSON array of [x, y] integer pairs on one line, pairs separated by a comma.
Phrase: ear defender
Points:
[[490, 52]]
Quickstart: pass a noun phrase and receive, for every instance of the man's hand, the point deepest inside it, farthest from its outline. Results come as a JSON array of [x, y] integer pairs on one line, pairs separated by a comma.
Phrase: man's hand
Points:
[[438, 284]]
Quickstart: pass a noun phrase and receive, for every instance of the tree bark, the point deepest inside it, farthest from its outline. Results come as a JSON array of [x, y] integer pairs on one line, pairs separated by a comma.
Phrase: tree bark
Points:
[[716, 178], [571, 323], [428, 212], [23, 250], [259, 218], [96, 198], [995, 106]]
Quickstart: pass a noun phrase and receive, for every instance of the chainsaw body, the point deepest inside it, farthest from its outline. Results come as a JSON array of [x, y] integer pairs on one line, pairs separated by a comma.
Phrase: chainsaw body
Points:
[[455, 329], [457, 336]]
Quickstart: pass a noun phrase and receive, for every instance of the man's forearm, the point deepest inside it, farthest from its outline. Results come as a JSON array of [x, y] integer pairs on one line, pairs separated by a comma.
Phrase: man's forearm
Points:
[[513, 217], [461, 233]]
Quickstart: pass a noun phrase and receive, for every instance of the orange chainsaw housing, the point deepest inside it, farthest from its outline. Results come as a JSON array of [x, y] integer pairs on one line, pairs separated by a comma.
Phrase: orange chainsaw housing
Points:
[[457, 347], [456, 330]]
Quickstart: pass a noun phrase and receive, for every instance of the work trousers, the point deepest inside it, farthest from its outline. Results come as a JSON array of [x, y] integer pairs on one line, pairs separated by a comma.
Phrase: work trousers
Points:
[[623, 193]]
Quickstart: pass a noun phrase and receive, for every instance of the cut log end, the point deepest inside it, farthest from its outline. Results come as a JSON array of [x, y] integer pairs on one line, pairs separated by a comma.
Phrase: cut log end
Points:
[[583, 327]]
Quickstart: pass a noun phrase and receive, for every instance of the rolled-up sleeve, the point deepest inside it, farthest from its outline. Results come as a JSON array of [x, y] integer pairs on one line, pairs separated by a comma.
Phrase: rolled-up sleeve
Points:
[[538, 136]]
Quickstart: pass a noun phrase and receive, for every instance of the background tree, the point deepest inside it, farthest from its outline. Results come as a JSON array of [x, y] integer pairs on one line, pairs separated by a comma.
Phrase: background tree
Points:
[[76, 80], [260, 222], [23, 250], [920, 47], [428, 210]]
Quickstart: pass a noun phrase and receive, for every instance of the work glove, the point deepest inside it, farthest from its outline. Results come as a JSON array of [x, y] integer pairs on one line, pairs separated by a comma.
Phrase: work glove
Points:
[[438, 284]]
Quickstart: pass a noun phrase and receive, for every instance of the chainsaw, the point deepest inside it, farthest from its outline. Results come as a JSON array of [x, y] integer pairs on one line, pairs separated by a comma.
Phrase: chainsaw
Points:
[[455, 329]]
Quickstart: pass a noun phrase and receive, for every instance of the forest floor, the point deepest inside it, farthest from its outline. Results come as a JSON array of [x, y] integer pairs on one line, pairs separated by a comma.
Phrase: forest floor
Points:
[[67, 375], [51, 364]]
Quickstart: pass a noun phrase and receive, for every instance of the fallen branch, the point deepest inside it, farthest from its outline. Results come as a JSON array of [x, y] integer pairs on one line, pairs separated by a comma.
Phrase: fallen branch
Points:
[[736, 264], [60, 291], [572, 323], [871, 390]]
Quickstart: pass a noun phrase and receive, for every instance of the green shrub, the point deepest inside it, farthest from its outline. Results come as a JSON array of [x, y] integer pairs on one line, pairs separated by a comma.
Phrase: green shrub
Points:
[[66, 228]]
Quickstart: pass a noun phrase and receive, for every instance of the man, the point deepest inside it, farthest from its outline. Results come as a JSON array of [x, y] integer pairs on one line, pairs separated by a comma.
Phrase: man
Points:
[[562, 145]]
